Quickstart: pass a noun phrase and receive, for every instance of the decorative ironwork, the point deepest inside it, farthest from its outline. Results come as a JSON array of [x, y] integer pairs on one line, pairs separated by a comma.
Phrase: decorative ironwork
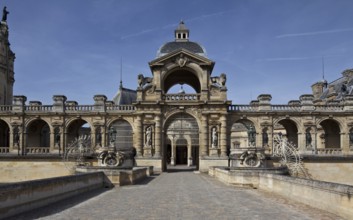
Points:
[[77, 152], [290, 157]]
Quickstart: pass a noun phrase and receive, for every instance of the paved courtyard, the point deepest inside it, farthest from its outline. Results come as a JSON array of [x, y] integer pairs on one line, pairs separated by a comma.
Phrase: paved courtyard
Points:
[[178, 195]]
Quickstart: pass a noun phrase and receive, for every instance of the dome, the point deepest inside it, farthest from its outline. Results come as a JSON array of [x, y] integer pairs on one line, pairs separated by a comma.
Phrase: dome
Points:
[[173, 46], [181, 42]]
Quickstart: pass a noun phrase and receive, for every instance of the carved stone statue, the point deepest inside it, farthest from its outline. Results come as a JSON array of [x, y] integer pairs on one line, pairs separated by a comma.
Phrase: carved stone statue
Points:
[[308, 138], [214, 137], [219, 81], [112, 136], [16, 137], [351, 137], [264, 138], [4, 14], [142, 81], [98, 138], [251, 135], [181, 60], [148, 136]]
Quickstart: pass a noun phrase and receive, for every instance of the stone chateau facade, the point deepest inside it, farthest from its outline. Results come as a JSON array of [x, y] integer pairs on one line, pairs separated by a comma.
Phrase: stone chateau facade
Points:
[[195, 129]]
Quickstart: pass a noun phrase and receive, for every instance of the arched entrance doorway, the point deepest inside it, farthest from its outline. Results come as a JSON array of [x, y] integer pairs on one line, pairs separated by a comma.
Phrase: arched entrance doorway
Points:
[[182, 142]]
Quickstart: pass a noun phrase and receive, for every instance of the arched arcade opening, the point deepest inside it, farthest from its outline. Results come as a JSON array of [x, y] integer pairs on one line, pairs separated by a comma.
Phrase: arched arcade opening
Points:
[[37, 137], [4, 137], [78, 128], [329, 134], [288, 129]]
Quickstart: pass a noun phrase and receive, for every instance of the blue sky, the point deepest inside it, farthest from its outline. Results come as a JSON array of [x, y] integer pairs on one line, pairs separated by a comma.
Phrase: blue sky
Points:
[[74, 47]]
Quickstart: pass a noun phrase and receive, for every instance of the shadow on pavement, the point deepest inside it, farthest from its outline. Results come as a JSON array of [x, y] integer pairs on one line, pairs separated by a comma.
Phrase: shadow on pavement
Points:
[[58, 207], [147, 180], [180, 168]]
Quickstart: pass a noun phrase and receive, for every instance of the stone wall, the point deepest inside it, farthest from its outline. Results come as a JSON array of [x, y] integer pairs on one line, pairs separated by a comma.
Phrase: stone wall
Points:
[[20, 197], [31, 169], [332, 197], [337, 172]]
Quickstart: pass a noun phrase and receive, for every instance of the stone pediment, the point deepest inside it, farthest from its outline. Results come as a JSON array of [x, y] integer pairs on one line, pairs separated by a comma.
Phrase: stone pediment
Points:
[[181, 57]]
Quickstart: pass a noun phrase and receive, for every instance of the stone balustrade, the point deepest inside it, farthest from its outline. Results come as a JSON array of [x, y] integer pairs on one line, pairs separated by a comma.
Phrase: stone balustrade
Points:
[[242, 108], [289, 108], [286, 108], [329, 108], [5, 108], [38, 108], [329, 151], [4, 150], [181, 97], [79, 108], [37, 150], [121, 108], [69, 108]]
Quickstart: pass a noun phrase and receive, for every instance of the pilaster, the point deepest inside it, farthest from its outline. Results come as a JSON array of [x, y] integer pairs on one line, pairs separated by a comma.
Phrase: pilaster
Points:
[[158, 134]]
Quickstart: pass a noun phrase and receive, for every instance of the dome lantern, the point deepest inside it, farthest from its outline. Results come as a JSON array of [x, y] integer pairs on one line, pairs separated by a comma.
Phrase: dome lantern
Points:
[[181, 33]]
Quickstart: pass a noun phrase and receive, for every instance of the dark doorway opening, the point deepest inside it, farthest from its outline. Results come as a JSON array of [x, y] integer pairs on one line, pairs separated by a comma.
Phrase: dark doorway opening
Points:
[[181, 155]]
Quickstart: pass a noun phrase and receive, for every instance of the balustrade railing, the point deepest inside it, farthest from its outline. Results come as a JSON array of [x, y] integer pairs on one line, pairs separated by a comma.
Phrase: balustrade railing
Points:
[[239, 108], [329, 151], [121, 108], [4, 150], [5, 108], [329, 108], [37, 150], [38, 108], [79, 108], [289, 108], [181, 97]]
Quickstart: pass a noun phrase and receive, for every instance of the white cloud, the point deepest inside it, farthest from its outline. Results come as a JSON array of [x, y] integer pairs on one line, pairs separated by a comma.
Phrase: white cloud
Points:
[[315, 33]]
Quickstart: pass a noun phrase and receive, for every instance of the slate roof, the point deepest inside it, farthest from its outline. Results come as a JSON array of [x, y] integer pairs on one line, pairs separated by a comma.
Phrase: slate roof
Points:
[[341, 86], [173, 46], [125, 96]]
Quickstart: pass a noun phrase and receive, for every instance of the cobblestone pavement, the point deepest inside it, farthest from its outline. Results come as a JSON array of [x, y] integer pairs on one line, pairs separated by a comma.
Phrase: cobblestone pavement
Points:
[[178, 195]]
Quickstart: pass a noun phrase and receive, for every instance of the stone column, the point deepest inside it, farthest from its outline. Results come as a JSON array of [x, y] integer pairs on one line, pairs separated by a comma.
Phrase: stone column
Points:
[[51, 140], [23, 141], [138, 136], [189, 156], [104, 136], [158, 134], [204, 136], [344, 142], [62, 140], [223, 136], [11, 143], [301, 142], [173, 152]]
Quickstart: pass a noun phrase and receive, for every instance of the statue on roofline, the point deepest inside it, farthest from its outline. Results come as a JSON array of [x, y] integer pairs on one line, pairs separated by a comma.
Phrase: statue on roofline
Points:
[[4, 14]]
